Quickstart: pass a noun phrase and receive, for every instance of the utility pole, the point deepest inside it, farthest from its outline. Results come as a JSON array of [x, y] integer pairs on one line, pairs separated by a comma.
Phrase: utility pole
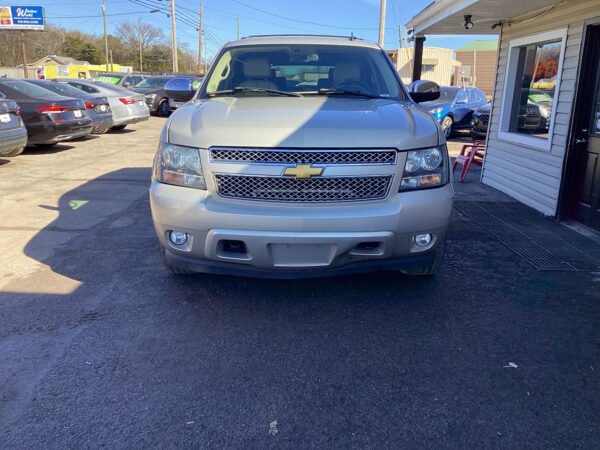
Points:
[[200, 42], [238, 28], [24, 50], [381, 23], [111, 62], [141, 70], [174, 37], [105, 36]]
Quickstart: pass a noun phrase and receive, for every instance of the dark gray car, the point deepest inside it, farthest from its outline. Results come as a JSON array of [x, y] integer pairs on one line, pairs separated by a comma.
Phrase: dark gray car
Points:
[[153, 89], [97, 106], [13, 134]]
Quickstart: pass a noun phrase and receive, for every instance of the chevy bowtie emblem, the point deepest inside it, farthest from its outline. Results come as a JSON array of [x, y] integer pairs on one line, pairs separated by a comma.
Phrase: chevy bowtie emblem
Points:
[[303, 171]]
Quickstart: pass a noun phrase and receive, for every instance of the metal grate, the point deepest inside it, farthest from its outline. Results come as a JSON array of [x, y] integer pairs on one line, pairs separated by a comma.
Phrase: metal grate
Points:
[[239, 155], [543, 243], [322, 189]]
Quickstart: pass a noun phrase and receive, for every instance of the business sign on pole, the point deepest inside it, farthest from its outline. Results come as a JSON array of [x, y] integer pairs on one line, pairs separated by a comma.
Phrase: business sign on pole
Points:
[[22, 18]]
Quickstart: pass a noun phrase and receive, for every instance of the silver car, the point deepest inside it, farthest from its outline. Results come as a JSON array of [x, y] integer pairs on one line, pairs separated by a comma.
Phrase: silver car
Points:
[[127, 107], [301, 157]]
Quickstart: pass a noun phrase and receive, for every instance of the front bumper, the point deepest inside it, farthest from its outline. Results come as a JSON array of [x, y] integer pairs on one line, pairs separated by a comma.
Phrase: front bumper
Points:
[[282, 240]]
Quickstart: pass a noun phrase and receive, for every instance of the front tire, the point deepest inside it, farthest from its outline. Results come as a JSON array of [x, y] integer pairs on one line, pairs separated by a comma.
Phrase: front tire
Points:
[[431, 268], [447, 124], [172, 269], [164, 110]]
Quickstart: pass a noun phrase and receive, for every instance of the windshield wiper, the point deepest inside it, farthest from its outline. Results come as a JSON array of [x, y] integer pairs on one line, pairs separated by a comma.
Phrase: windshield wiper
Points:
[[345, 92], [239, 89]]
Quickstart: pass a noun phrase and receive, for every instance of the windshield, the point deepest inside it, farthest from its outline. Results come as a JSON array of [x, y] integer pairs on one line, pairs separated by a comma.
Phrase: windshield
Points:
[[446, 94], [29, 89], [156, 83], [304, 69], [63, 89]]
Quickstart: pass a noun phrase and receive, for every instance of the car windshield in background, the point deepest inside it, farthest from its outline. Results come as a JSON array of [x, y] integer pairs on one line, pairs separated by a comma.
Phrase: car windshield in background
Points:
[[305, 69], [157, 83], [446, 94], [64, 89], [108, 79], [29, 89]]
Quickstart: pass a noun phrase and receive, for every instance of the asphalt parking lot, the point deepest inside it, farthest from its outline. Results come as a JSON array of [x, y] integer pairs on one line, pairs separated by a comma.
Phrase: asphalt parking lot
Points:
[[100, 347]]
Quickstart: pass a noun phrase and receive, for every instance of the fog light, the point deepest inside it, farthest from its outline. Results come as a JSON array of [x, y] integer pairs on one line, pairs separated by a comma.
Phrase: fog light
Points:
[[422, 240], [178, 237]]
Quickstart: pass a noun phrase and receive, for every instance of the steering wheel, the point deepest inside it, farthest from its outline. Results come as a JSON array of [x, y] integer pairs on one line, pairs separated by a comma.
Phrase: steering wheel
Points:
[[351, 84]]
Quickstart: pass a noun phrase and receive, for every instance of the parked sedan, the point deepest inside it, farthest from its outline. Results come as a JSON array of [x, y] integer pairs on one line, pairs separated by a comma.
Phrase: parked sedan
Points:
[[13, 134], [153, 89], [97, 107], [454, 107], [49, 117], [127, 107]]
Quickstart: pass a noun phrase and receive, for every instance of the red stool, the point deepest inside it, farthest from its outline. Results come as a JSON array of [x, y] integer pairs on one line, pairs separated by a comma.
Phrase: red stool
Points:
[[470, 154]]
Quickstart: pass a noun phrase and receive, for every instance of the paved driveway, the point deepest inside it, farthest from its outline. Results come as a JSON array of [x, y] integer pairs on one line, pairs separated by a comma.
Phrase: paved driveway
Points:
[[99, 347]]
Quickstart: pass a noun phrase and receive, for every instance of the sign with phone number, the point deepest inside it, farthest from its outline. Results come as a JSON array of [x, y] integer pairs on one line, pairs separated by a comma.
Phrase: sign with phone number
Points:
[[22, 18]]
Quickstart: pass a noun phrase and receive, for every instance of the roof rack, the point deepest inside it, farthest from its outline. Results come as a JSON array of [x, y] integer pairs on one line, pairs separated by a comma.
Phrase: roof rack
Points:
[[351, 37]]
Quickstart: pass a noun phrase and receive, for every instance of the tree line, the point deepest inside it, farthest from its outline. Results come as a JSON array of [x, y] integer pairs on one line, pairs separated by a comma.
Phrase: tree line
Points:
[[125, 47]]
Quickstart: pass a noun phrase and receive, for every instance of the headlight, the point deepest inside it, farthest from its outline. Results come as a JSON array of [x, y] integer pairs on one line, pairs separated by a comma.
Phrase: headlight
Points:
[[424, 169], [436, 111], [178, 165]]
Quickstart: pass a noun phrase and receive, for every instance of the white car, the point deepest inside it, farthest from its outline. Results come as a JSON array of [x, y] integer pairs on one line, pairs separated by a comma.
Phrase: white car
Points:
[[301, 157]]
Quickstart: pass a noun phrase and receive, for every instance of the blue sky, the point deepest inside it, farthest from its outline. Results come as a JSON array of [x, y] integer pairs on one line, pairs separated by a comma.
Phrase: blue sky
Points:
[[256, 17]]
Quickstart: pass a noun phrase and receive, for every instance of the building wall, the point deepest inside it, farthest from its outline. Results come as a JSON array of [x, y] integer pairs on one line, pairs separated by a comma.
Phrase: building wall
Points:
[[528, 174], [442, 72], [17, 72], [483, 69]]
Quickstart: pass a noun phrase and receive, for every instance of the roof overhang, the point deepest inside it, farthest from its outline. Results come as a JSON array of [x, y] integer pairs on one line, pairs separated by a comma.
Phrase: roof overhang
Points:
[[447, 17]]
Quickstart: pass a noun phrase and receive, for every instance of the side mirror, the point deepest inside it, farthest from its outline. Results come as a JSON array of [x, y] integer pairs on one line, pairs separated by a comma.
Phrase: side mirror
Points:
[[180, 89], [424, 91], [126, 84]]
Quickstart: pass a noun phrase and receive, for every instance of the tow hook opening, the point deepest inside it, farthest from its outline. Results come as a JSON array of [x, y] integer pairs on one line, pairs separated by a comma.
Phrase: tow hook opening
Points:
[[370, 248], [233, 249]]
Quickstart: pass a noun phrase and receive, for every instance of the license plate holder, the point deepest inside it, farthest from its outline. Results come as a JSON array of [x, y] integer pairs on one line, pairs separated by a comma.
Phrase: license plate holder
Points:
[[302, 255], [4, 118], [77, 114]]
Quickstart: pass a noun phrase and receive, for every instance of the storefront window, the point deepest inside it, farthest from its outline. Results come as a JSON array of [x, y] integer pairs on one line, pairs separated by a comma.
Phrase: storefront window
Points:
[[532, 83]]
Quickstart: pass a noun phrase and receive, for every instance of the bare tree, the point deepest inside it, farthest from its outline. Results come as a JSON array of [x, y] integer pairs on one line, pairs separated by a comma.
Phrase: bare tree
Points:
[[131, 33]]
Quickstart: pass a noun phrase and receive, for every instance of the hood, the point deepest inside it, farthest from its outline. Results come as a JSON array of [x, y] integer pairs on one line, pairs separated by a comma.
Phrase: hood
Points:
[[433, 105], [304, 122]]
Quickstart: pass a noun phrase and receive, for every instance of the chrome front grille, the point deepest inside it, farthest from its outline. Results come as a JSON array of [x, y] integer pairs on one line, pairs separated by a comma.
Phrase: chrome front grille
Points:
[[284, 189], [260, 156]]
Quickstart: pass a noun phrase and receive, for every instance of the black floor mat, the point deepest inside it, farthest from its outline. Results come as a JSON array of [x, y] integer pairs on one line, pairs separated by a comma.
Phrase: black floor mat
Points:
[[542, 242]]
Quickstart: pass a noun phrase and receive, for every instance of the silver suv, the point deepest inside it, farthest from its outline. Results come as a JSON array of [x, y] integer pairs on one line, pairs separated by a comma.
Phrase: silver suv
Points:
[[300, 157]]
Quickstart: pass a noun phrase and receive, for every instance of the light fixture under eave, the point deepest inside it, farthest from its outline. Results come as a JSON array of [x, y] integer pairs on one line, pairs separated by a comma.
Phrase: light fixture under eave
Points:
[[497, 24], [468, 22]]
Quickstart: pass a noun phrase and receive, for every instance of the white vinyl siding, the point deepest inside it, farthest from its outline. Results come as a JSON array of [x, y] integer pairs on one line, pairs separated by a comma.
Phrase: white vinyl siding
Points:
[[532, 175]]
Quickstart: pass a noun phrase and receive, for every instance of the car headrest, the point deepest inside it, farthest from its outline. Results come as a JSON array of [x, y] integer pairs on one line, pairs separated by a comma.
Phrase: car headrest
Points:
[[346, 71], [257, 68]]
